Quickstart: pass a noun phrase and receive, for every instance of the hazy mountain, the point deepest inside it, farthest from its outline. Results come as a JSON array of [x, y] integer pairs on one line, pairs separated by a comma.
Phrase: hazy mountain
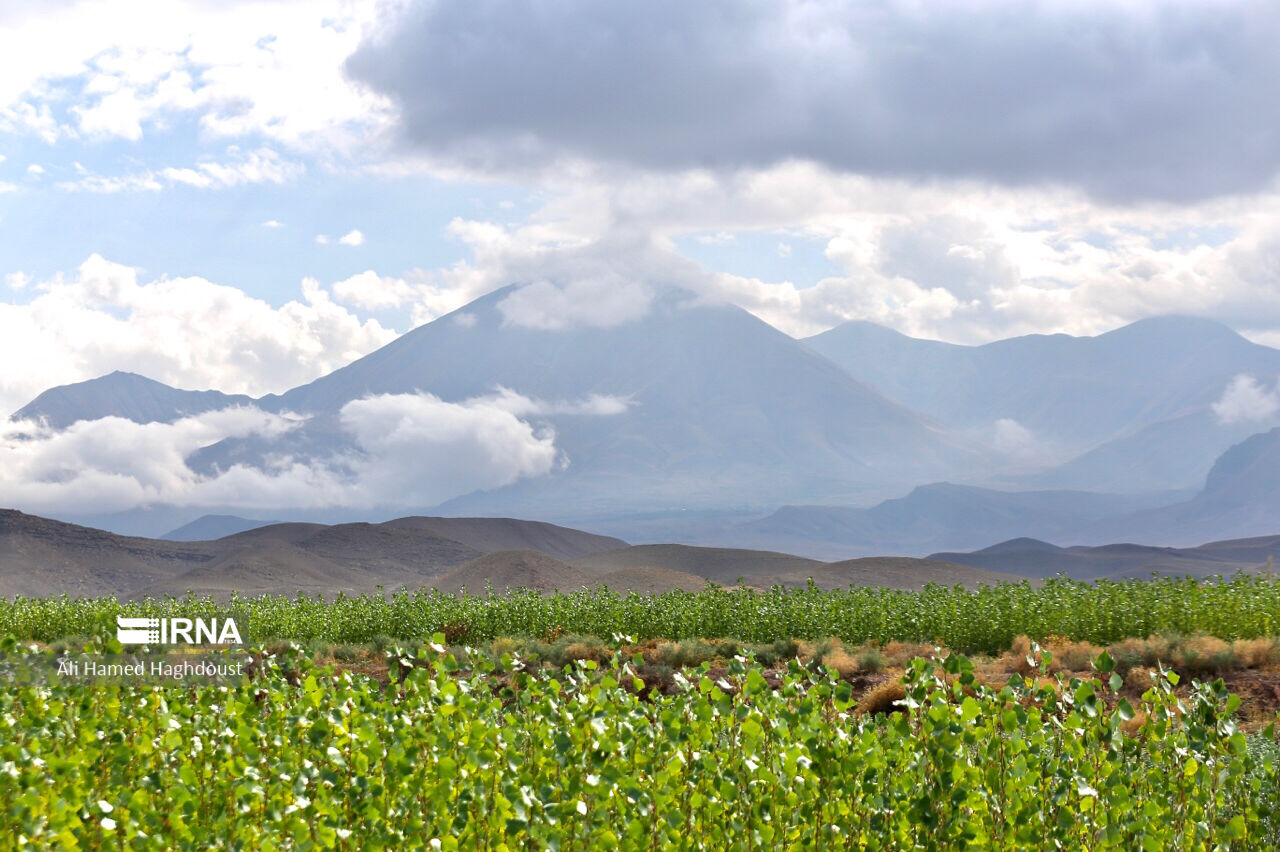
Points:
[[1239, 499], [723, 409], [126, 395], [1071, 394], [938, 516], [209, 527], [1040, 559], [1167, 454]]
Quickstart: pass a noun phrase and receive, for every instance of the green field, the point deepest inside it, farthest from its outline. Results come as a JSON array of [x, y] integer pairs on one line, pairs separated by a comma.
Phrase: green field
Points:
[[496, 749], [490, 757], [985, 620]]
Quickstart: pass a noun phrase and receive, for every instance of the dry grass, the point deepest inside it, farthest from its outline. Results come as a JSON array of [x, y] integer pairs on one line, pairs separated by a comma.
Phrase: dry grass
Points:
[[884, 698]]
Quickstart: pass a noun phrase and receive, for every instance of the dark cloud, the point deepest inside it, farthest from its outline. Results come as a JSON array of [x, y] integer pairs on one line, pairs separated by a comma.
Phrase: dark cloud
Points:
[[1129, 101]]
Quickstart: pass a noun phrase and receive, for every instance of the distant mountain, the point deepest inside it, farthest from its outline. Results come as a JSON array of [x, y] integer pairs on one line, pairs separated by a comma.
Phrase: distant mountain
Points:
[[1040, 559], [721, 409], [126, 395], [1071, 394], [1240, 498], [209, 527], [1167, 454], [938, 516]]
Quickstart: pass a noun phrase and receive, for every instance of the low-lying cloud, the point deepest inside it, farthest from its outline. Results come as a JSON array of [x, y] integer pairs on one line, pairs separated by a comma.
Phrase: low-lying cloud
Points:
[[1247, 400], [409, 450]]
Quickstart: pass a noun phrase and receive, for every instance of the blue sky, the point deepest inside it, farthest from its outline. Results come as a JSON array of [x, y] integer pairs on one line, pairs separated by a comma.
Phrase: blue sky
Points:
[[244, 195]]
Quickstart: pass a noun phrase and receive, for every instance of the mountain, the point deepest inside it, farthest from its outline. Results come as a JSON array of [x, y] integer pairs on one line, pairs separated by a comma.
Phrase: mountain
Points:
[[1039, 559], [936, 517], [1239, 499], [720, 409], [126, 395], [209, 527], [1071, 394], [1159, 456]]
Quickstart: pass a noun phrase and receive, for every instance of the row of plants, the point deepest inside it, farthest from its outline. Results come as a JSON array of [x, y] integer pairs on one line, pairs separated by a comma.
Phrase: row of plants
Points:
[[486, 755], [984, 620]]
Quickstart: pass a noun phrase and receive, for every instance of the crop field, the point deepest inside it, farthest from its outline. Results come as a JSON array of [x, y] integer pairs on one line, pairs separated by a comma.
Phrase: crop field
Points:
[[829, 722], [985, 620], [486, 756]]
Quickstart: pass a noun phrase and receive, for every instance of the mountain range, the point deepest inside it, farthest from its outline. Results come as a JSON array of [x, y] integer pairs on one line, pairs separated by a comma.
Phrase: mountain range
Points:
[[698, 422]]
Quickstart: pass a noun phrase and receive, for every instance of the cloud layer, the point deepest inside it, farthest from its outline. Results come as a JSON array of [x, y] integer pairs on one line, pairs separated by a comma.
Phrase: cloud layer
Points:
[[187, 332], [1132, 100]]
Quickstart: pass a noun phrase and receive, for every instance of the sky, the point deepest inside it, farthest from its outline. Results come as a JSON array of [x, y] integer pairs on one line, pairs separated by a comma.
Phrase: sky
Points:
[[247, 194]]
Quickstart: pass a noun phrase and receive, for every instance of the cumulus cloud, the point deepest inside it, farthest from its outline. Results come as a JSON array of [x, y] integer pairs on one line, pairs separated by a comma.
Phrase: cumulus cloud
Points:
[[1247, 400], [351, 238], [113, 463], [406, 450], [242, 69], [188, 332], [420, 450], [1127, 100]]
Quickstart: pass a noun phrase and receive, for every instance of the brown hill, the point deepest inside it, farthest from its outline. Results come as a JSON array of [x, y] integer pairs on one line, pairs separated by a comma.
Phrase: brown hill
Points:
[[512, 569], [721, 565], [41, 557], [903, 572], [270, 567], [1039, 559], [646, 580], [487, 535]]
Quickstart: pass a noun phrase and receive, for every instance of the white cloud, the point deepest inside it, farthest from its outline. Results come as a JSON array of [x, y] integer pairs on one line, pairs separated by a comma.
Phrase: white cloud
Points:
[[421, 450], [17, 280], [272, 223], [593, 405], [352, 238], [597, 302], [114, 464], [35, 170], [5, 186], [188, 332], [243, 68], [407, 450], [1246, 400], [322, 239], [1014, 439], [370, 291], [260, 166]]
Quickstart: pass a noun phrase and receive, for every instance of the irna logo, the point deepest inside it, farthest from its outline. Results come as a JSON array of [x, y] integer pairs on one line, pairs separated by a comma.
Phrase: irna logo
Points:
[[171, 631]]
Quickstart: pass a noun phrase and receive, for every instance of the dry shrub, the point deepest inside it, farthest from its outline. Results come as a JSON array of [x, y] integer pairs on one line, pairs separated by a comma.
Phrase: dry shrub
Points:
[[1134, 725], [1139, 653], [844, 663], [872, 660], [1073, 656], [1015, 659], [900, 653], [1204, 655], [884, 698], [1256, 653], [1139, 679]]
